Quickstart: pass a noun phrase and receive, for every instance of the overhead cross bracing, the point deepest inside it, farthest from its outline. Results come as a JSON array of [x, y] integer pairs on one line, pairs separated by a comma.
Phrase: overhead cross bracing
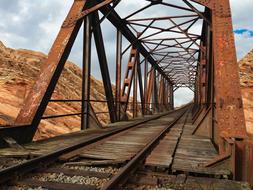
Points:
[[171, 33]]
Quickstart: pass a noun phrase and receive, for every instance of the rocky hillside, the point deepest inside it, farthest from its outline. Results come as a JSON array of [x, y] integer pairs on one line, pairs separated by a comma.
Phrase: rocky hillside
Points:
[[246, 77], [18, 69]]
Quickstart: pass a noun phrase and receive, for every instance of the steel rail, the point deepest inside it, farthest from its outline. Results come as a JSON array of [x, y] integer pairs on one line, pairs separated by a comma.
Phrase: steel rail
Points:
[[125, 172], [13, 172]]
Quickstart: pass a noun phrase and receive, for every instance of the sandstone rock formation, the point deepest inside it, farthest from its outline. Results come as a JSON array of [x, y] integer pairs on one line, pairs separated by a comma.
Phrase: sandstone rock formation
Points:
[[18, 70], [246, 79]]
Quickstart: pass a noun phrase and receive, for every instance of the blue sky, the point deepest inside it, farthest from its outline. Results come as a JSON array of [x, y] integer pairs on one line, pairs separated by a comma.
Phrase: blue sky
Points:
[[34, 25], [243, 31]]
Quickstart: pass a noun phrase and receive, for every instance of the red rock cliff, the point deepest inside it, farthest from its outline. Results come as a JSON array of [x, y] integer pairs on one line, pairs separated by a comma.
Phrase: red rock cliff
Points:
[[246, 79]]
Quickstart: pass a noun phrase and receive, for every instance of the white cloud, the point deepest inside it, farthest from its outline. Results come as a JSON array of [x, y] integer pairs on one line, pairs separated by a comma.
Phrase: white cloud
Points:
[[182, 96], [12, 39], [32, 25], [242, 12]]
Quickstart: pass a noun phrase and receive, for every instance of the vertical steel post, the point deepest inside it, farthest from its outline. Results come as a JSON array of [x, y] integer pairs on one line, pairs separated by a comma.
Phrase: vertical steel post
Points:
[[118, 72], [167, 95], [161, 94], [86, 73], [103, 66], [135, 90], [140, 85], [154, 97], [171, 96], [229, 106], [150, 89], [145, 85]]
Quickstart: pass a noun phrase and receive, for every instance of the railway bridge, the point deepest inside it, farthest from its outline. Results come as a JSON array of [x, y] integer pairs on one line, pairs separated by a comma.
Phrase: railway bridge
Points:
[[149, 144]]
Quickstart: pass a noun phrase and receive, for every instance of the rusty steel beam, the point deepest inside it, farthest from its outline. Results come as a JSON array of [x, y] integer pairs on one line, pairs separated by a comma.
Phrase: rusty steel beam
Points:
[[161, 94], [86, 73], [197, 11], [115, 19], [145, 68], [135, 83], [103, 66], [150, 86], [171, 96], [37, 100], [207, 3], [155, 106], [118, 72], [167, 95], [141, 90], [230, 115]]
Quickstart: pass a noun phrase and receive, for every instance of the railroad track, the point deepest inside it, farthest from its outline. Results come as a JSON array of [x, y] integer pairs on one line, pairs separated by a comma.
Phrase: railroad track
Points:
[[108, 162]]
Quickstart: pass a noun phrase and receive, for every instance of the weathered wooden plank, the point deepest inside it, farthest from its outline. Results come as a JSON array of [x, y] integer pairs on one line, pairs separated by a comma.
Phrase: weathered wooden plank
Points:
[[196, 167], [193, 152], [196, 152], [196, 158], [165, 162]]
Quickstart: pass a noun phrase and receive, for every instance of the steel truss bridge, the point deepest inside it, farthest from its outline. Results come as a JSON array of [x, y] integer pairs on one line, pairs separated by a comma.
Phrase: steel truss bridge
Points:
[[190, 44]]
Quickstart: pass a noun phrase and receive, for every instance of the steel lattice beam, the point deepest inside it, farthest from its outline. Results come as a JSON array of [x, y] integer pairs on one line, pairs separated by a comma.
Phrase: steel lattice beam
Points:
[[115, 19]]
